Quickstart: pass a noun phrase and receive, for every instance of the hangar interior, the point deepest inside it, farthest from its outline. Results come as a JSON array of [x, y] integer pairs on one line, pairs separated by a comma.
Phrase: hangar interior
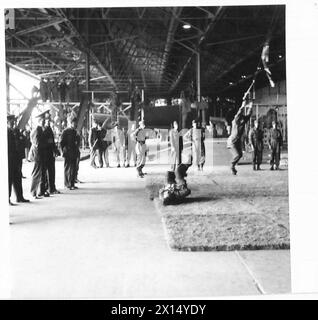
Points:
[[77, 58], [123, 65]]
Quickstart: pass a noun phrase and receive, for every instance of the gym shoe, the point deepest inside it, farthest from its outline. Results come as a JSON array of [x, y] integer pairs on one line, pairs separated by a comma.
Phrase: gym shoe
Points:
[[234, 171], [23, 200]]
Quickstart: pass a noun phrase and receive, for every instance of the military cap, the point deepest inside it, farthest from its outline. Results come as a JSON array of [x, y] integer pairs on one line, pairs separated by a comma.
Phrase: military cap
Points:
[[11, 117], [44, 113]]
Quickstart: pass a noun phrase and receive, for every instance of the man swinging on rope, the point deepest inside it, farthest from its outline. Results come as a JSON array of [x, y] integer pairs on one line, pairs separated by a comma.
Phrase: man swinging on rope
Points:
[[234, 142]]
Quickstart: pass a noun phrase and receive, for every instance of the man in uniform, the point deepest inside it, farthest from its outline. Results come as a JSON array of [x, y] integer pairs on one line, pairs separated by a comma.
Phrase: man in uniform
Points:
[[131, 145], [70, 148], [234, 141], [99, 145], [256, 142], [275, 142], [119, 143], [140, 147], [48, 185], [14, 174], [38, 156], [174, 141], [93, 141]]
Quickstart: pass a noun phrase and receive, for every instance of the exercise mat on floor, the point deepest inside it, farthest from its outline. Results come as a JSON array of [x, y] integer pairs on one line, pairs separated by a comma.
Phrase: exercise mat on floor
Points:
[[249, 212]]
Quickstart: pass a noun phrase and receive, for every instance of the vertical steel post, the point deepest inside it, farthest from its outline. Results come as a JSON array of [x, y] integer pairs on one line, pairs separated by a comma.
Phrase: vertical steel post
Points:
[[8, 87], [198, 78]]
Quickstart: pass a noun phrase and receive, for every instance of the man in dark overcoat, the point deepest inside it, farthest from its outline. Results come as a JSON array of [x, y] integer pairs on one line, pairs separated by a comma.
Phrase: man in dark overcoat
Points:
[[37, 154], [14, 174], [51, 151], [70, 148]]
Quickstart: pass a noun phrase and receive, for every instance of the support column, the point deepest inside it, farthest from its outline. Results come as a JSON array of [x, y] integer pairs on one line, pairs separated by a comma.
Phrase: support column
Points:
[[8, 87], [85, 101], [87, 72], [198, 78]]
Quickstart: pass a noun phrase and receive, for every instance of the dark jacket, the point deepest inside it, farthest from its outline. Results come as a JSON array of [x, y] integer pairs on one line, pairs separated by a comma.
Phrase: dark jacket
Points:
[[20, 141], [12, 146], [256, 136], [50, 146], [37, 147], [70, 142], [275, 138]]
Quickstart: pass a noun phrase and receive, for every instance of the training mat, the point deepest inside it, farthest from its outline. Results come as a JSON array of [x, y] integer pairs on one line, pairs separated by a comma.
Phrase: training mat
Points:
[[246, 212]]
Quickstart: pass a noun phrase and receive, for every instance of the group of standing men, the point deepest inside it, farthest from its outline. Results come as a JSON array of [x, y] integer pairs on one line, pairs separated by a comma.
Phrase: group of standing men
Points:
[[256, 140], [43, 152], [127, 145]]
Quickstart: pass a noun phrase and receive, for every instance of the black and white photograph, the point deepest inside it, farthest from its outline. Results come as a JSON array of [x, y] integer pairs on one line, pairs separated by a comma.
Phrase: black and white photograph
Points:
[[148, 151]]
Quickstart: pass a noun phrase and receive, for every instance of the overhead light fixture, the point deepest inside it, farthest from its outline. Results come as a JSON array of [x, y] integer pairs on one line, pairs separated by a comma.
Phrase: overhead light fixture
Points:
[[186, 26], [230, 83], [280, 56]]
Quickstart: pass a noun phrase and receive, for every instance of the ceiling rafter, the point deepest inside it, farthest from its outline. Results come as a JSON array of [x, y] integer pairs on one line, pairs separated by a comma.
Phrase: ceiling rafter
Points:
[[208, 29], [37, 52], [87, 49], [37, 28]]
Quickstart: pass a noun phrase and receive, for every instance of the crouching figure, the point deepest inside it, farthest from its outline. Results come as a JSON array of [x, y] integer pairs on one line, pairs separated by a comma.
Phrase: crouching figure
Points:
[[175, 189]]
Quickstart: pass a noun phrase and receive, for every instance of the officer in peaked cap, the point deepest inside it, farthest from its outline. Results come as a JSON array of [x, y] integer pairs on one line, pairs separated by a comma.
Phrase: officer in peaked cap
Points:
[[14, 174], [50, 152], [37, 154]]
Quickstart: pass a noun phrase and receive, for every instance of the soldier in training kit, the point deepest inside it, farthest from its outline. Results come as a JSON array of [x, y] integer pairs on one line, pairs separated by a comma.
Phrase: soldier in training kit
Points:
[[140, 148], [275, 142], [234, 142], [256, 141]]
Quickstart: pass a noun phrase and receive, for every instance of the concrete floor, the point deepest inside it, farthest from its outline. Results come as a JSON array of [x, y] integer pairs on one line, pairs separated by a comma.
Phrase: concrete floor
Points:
[[105, 240]]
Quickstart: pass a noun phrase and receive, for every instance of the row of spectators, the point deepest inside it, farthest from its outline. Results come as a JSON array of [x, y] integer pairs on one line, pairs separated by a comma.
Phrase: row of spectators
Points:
[[54, 91]]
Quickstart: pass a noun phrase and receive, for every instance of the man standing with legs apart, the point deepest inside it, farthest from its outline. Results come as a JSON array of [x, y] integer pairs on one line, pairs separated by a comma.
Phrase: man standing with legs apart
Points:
[[256, 142], [70, 146], [140, 148], [275, 143], [234, 141]]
